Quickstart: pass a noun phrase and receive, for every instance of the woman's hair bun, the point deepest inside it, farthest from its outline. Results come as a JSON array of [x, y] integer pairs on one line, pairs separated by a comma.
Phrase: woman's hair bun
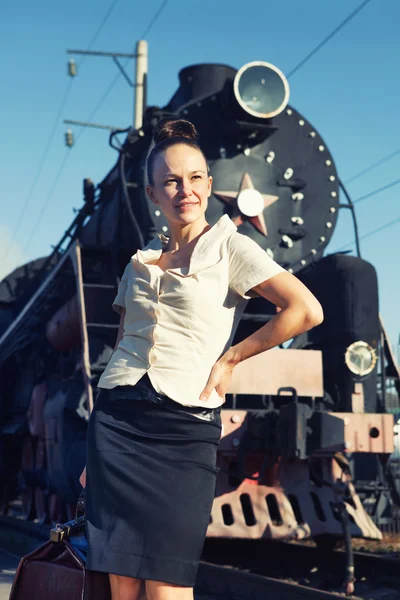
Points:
[[175, 128]]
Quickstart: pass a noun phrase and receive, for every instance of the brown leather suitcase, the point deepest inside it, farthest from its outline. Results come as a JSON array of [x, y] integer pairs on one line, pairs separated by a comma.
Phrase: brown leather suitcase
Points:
[[56, 569]]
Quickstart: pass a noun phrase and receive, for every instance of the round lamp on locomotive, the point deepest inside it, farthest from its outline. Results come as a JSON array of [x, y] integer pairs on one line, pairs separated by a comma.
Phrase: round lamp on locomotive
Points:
[[361, 358], [261, 89]]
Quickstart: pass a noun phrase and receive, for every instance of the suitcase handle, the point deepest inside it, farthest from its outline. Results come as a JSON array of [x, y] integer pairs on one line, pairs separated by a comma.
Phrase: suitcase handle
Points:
[[64, 531]]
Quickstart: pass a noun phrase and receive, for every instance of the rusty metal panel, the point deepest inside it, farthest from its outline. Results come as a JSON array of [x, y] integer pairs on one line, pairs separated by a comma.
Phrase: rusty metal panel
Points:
[[287, 504], [232, 429], [268, 371], [316, 502], [368, 432], [243, 513], [365, 432]]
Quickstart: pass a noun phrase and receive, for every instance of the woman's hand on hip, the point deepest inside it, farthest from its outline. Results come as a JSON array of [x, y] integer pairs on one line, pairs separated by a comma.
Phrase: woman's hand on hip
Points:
[[219, 379]]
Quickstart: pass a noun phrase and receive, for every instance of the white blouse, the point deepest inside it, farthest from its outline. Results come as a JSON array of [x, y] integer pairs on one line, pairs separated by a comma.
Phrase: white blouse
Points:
[[179, 322]]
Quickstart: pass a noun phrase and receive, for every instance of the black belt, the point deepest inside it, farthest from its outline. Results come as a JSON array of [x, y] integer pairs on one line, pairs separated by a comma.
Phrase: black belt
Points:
[[143, 390]]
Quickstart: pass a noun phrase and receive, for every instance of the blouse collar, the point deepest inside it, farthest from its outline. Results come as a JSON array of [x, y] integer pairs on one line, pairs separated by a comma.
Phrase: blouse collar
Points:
[[205, 252]]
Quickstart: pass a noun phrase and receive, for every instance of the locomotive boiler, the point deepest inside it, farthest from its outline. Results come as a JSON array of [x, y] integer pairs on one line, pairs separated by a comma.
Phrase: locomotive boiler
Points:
[[307, 434]]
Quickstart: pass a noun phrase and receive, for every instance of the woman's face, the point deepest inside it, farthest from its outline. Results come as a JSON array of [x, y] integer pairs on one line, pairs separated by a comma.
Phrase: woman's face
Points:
[[181, 185]]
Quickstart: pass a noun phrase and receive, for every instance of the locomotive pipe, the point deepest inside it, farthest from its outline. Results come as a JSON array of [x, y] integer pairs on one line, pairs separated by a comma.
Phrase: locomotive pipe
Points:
[[350, 205]]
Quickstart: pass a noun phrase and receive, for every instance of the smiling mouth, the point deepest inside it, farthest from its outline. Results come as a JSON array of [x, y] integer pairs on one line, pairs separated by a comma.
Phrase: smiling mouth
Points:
[[187, 204]]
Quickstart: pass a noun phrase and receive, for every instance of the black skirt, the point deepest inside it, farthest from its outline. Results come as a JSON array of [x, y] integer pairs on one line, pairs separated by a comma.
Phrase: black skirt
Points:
[[150, 484]]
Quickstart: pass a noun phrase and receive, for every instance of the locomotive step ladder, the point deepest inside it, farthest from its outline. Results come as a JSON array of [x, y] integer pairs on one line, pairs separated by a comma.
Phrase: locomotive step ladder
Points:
[[96, 287]]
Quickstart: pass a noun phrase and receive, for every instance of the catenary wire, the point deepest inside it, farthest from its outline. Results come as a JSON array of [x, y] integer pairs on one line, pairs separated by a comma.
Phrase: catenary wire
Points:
[[49, 196], [81, 132], [155, 18], [62, 165], [327, 38], [377, 191], [373, 166], [370, 233], [373, 193], [53, 132], [118, 75]]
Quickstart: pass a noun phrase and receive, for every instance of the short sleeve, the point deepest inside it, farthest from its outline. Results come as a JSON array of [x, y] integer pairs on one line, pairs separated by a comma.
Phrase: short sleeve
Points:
[[119, 300], [249, 265]]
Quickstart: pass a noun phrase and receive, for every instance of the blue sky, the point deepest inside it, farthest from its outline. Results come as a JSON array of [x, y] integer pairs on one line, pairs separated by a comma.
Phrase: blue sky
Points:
[[349, 91]]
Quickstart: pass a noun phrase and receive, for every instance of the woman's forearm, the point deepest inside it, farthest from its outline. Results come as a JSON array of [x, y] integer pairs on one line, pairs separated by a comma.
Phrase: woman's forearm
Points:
[[285, 325]]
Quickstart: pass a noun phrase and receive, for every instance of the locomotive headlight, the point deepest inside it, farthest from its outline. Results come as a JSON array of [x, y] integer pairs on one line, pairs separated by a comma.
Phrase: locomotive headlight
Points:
[[261, 89], [250, 202], [360, 358]]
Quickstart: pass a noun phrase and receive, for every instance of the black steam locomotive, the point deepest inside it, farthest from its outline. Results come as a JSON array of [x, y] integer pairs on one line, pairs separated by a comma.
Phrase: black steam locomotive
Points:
[[307, 432]]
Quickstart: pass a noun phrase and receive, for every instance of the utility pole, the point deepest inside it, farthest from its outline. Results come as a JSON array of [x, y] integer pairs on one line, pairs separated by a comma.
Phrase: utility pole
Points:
[[139, 85]]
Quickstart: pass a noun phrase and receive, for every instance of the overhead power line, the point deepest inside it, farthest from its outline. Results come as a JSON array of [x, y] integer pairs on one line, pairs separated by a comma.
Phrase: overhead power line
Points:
[[114, 81], [56, 122], [377, 191], [100, 27], [373, 166], [327, 38], [363, 237], [89, 118], [62, 166], [154, 19], [370, 233], [38, 171], [49, 196]]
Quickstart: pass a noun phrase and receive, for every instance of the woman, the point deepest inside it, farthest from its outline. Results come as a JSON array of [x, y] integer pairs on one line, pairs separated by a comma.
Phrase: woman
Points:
[[154, 431]]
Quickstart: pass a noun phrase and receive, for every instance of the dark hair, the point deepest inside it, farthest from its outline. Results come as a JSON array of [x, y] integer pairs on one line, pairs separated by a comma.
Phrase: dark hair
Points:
[[169, 132]]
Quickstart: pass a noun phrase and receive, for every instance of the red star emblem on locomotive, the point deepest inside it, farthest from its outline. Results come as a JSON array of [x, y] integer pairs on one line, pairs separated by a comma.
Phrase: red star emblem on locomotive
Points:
[[248, 204]]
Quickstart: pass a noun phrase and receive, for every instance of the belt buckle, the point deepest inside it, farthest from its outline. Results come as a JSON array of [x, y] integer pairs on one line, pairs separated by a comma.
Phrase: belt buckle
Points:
[[204, 415], [207, 415]]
